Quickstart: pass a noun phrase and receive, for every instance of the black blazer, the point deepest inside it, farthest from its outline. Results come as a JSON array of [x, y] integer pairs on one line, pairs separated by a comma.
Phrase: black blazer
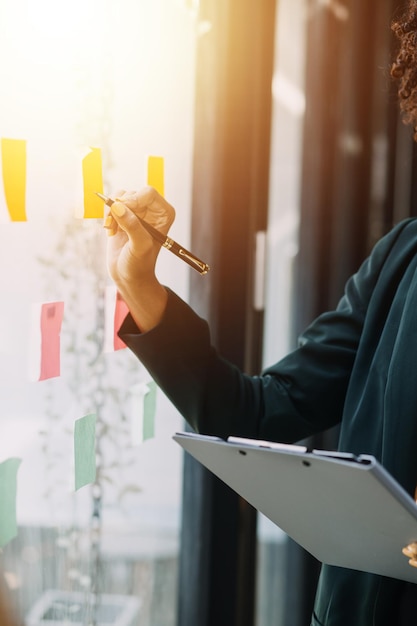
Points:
[[356, 365]]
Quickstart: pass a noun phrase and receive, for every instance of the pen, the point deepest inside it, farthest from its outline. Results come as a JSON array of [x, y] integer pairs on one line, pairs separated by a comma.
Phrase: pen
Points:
[[167, 242]]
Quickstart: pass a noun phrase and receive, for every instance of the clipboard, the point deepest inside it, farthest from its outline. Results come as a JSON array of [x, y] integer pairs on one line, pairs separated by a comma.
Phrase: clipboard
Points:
[[345, 510]]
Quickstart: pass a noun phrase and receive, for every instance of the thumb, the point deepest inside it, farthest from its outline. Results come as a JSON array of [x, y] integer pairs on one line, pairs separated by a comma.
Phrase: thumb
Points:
[[124, 217], [128, 221]]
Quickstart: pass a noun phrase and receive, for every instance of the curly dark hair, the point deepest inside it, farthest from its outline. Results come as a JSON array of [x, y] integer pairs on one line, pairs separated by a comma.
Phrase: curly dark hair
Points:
[[404, 67]]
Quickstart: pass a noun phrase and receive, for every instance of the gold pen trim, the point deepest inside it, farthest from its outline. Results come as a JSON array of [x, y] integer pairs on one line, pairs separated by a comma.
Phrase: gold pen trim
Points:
[[168, 243], [204, 268]]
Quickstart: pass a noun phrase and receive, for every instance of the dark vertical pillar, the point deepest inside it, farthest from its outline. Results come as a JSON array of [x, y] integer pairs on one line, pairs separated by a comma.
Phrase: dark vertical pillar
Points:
[[349, 147], [232, 134]]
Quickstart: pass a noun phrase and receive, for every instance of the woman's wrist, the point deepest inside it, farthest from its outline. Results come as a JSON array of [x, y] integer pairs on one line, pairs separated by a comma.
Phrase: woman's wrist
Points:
[[146, 303]]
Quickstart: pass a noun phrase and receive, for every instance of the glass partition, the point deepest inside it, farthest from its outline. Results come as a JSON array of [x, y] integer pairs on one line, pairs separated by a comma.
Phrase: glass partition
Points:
[[90, 479]]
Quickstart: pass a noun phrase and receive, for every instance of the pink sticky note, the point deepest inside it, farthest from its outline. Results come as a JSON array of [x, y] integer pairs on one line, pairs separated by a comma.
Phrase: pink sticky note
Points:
[[120, 312], [115, 312], [50, 326]]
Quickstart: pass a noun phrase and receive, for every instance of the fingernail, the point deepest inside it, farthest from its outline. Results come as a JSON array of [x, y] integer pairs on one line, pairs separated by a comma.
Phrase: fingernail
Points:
[[408, 552], [118, 209], [108, 222]]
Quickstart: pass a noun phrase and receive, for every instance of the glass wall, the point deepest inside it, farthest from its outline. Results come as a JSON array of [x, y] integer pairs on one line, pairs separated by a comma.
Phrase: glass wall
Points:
[[282, 245], [115, 80]]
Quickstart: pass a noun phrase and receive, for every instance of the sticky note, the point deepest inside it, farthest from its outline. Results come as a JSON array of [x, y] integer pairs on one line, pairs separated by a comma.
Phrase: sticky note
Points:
[[8, 489], [120, 313], [51, 322], [156, 173], [149, 410], [115, 312], [45, 344], [144, 410], [85, 450], [92, 169], [13, 158]]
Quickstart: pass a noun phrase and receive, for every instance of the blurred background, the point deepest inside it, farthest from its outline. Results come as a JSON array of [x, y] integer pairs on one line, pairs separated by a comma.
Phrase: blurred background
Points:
[[285, 158]]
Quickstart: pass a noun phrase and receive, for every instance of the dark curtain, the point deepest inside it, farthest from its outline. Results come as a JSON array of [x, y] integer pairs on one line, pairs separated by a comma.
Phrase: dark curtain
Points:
[[230, 199]]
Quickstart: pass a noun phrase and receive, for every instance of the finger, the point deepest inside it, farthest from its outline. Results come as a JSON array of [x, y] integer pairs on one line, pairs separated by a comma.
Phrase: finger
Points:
[[128, 222], [111, 232], [124, 196], [153, 207], [110, 225], [109, 221], [129, 198], [409, 552], [413, 562], [118, 209]]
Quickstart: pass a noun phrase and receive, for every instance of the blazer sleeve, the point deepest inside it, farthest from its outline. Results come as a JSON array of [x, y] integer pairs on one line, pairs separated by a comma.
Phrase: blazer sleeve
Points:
[[298, 396]]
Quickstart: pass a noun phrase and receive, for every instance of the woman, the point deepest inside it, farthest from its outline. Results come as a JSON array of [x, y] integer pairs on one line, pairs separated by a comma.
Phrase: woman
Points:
[[354, 366]]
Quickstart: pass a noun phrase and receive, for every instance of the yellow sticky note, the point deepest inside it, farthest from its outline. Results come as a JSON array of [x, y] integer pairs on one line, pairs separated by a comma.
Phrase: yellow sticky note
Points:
[[13, 156], [92, 182], [156, 173]]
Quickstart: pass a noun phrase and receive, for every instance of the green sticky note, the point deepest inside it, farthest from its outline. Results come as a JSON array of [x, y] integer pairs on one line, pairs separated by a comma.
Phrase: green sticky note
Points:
[[85, 450], [149, 410], [8, 487]]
